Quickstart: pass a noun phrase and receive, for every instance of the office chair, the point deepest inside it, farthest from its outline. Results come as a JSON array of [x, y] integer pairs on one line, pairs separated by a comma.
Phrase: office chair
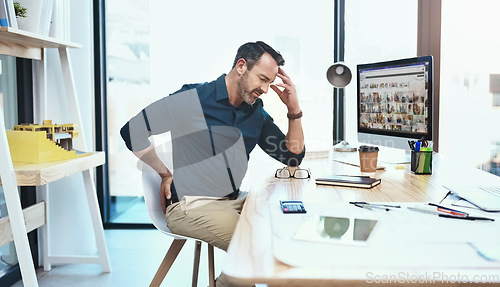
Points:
[[151, 184]]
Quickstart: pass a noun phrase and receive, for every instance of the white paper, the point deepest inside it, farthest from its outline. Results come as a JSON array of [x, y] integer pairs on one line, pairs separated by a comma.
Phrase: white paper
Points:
[[403, 239], [489, 251]]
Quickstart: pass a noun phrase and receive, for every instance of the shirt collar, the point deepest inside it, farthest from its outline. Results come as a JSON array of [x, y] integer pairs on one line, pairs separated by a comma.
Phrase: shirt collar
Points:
[[221, 94], [221, 88]]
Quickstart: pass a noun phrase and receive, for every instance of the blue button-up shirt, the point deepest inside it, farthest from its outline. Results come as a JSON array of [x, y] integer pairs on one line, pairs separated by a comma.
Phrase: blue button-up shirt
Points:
[[170, 114]]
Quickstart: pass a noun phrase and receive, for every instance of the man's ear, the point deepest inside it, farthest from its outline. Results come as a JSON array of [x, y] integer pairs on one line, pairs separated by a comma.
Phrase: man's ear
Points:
[[241, 66]]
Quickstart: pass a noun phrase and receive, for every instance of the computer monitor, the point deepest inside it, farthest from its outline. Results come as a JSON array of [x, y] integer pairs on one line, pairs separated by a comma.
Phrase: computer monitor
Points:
[[395, 102]]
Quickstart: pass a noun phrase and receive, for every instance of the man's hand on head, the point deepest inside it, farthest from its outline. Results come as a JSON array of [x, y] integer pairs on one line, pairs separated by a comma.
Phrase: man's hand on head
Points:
[[288, 95]]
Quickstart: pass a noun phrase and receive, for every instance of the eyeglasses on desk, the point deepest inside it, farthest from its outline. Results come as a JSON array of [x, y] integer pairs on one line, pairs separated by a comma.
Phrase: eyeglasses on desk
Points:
[[293, 172]]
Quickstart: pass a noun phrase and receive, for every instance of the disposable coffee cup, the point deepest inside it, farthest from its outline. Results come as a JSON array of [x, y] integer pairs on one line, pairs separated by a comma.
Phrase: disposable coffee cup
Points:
[[368, 158]]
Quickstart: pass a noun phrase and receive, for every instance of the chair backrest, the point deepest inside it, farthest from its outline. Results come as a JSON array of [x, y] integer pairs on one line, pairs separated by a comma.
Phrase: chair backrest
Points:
[[151, 182]]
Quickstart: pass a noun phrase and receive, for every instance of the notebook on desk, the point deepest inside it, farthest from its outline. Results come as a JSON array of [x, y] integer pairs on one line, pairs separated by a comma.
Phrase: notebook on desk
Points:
[[348, 181], [485, 197]]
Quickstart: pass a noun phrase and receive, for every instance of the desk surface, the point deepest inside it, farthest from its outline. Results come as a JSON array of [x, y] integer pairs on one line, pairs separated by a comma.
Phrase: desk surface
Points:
[[251, 255]]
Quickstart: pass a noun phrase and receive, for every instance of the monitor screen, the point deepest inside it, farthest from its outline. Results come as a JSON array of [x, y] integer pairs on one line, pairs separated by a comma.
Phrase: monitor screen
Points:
[[395, 101]]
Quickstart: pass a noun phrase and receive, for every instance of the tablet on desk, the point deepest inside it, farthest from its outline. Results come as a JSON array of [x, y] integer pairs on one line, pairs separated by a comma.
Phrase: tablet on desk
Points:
[[341, 230]]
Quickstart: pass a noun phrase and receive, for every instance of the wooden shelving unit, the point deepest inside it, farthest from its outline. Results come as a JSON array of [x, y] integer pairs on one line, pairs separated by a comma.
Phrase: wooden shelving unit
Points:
[[31, 174], [18, 43]]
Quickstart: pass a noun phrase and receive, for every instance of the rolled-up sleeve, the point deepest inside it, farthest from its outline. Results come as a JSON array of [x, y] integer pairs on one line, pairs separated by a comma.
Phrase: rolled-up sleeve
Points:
[[273, 142]]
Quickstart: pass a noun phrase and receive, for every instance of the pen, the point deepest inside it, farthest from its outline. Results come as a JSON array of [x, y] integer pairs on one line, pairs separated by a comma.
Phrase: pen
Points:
[[449, 210], [411, 144], [374, 204], [424, 143], [417, 146], [422, 210], [367, 205], [466, 217], [384, 205], [440, 214]]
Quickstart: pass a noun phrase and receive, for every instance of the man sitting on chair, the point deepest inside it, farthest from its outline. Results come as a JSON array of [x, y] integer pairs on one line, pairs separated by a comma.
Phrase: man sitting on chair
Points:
[[214, 126]]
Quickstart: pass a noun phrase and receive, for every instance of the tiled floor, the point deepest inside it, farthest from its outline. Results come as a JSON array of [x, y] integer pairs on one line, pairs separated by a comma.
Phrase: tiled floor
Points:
[[133, 211], [135, 256]]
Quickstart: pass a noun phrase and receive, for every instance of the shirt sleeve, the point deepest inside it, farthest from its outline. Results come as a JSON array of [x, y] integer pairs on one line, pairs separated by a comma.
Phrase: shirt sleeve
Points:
[[139, 128], [166, 114], [272, 141]]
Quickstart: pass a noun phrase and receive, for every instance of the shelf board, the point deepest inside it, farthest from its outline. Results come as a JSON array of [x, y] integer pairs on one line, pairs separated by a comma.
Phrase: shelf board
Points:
[[34, 217], [31, 174], [24, 44]]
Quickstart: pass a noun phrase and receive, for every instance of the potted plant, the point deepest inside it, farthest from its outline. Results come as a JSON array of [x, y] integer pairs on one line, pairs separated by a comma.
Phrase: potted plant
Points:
[[20, 10]]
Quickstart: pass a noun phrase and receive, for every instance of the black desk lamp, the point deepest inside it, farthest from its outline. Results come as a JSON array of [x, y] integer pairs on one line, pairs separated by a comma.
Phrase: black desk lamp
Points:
[[339, 75]]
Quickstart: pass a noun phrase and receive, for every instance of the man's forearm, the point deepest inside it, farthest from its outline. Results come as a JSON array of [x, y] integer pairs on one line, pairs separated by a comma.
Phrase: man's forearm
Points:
[[295, 136], [150, 157]]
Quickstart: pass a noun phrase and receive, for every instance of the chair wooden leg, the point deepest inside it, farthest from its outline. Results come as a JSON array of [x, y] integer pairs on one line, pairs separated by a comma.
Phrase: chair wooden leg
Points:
[[167, 262], [196, 262], [211, 266]]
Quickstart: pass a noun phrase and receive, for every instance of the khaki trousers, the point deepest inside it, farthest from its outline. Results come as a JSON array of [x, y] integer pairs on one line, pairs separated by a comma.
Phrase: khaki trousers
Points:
[[213, 223]]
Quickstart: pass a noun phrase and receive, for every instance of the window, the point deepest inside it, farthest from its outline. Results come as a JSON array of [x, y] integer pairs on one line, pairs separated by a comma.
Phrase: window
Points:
[[127, 44], [376, 31], [470, 64], [211, 32], [171, 43], [495, 89]]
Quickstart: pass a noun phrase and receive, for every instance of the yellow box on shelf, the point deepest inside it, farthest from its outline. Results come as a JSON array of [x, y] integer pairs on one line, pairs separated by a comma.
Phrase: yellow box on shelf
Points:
[[33, 144]]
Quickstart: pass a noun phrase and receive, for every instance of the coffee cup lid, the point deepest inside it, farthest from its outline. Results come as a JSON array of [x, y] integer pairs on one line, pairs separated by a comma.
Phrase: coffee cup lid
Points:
[[366, 148]]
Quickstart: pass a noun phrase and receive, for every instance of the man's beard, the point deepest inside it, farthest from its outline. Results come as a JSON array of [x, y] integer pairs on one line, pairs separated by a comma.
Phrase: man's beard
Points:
[[243, 91]]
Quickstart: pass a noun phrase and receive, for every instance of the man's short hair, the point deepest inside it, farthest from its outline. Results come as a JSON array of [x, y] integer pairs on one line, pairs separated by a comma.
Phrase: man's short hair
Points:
[[253, 51]]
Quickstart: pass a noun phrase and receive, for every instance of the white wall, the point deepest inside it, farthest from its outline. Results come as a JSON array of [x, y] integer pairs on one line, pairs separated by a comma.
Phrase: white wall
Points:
[[196, 41], [8, 90]]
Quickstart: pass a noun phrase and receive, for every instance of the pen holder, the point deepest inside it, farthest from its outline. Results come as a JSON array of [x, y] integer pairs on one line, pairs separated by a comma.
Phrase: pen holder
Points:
[[421, 162]]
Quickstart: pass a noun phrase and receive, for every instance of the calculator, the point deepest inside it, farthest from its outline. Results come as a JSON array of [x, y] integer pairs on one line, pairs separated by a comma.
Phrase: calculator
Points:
[[292, 206]]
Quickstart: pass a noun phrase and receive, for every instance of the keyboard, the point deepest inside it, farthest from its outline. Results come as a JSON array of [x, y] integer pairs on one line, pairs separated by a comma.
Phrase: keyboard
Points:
[[494, 190]]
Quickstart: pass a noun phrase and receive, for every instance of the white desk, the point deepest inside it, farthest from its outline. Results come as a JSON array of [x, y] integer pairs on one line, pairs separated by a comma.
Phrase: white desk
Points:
[[252, 252]]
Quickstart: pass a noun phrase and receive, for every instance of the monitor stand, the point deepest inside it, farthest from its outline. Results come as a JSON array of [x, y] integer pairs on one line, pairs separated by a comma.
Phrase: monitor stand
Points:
[[394, 156]]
